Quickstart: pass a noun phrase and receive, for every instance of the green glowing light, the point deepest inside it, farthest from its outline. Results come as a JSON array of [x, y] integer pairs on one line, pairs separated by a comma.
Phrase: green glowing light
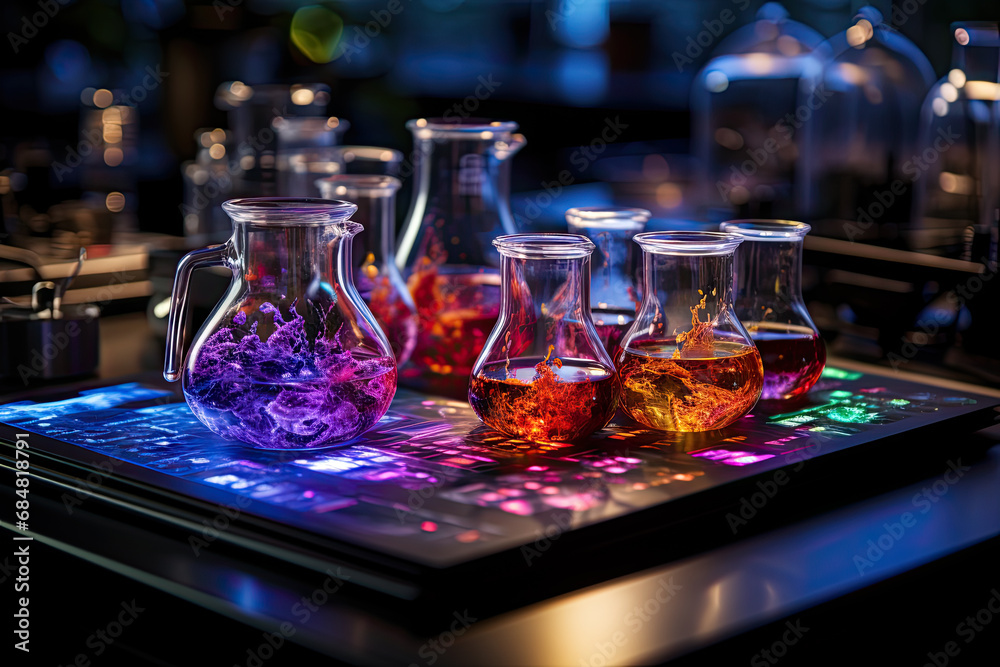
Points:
[[851, 415], [899, 401], [840, 393], [817, 428], [316, 32], [841, 374]]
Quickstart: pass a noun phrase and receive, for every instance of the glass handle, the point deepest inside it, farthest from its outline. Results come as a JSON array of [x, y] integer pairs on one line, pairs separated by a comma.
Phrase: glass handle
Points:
[[217, 255]]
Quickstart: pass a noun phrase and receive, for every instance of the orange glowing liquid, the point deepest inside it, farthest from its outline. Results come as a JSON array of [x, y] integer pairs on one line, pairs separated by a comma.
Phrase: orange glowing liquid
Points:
[[456, 314], [547, 401], [690, 392]]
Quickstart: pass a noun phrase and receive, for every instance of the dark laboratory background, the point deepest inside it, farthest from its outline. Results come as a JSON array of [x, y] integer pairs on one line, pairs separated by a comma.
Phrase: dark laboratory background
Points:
[[126, 123]]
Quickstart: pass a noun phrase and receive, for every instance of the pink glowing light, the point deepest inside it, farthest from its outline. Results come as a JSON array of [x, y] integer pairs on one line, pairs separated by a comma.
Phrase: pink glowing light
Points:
[[538, 468], [518, 507], [309, 494], [429, 526]]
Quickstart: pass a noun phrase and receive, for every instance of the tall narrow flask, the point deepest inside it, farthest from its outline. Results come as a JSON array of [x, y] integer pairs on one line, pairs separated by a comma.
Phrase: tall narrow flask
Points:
[[460, 203]]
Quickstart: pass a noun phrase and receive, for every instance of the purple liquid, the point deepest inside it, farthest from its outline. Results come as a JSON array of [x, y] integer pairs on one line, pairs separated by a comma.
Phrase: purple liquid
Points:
[[612, 325], [287, 392]]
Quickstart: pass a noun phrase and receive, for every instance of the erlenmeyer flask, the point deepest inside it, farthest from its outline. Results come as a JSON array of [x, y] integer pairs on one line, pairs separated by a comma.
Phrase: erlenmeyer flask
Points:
[[614, 299], [769, 303], [687, 364], [307, 152], [459, 205], [375, 273], [544, 374], [291, 358]]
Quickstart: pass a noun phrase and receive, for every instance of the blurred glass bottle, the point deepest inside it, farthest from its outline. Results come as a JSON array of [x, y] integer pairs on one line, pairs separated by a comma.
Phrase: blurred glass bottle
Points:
[[368, 160], [861, 117], [745, 105], [307, 152], [460, 203], [374, 255], [613, 295], [958, 197], [208, 181]]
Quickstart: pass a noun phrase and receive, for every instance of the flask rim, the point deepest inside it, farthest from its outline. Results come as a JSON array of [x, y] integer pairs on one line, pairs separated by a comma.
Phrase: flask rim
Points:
[[456, 127], [688, 243], [762, 229], [368, 153], [544, 246], [292, 212], [619, 218], [367, 185]]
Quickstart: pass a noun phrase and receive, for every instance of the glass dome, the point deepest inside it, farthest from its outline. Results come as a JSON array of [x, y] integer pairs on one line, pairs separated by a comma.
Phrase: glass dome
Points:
[[958, 197], [862, 136], [744, 104]]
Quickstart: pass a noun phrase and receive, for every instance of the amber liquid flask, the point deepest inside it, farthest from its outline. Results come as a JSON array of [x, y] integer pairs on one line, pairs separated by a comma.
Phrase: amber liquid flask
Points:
[[687, 364]]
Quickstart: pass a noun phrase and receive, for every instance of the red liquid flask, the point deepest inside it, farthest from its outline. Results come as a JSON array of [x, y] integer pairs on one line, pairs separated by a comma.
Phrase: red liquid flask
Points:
[[769, 303], [544, 374]]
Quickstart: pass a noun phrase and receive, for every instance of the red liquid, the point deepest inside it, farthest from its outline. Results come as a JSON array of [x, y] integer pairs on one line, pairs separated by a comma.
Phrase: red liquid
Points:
[[547, 401], [793, 358], [456, 314], [612, 325]]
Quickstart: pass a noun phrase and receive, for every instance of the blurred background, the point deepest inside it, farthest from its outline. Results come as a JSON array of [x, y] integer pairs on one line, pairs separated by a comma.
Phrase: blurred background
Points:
[[127, 122]]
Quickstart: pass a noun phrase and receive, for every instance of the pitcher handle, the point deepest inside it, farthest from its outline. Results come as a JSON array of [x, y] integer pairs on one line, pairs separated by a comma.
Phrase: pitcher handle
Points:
[[217, 255]]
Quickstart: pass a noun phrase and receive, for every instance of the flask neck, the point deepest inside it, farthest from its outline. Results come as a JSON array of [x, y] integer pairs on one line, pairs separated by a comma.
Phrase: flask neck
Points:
[[554, 289], [309, 261], [462, 190], [769, 275], [673, 285]]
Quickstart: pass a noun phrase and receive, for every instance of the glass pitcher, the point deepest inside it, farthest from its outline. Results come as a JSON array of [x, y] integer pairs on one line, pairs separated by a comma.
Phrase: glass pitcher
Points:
[[687, 364], [460, 203], [769, 303], [544, 374], [291, 358], [614, 299], [374, 252]]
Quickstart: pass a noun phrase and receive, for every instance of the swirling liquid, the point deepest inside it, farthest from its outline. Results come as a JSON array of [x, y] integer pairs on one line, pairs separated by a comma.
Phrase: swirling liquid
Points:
[[671, 392], [290, 391], [456, 314], [793, 358], [545, 400]]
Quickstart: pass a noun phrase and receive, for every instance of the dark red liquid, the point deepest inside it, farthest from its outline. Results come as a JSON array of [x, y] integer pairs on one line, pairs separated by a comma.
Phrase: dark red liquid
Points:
[[793, 359]]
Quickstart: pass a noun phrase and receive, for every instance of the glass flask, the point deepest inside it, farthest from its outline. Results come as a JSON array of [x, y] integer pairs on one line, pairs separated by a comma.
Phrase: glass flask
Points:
[[960, 124], [291, 358], [744, 103], [687, 364], [614, 299], [369, 160], [861, 131], [307, 152], [460, 203], [769, 304], [375, 273], [544, 374]]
